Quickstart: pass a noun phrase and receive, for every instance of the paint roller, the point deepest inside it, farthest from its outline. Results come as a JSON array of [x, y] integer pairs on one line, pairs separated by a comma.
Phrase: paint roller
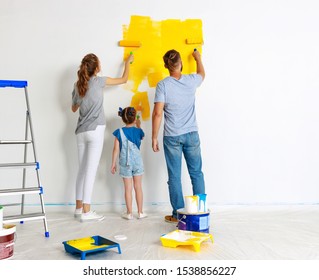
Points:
[[194, 41], [139, 110], [130, 44]]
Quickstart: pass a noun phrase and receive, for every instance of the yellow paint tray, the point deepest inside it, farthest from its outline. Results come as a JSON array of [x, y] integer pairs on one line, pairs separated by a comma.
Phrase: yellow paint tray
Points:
[[185, 237], [90, 244]]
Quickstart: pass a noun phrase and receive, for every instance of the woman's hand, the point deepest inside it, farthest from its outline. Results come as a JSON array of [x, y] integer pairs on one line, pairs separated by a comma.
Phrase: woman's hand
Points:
[[130, 59]]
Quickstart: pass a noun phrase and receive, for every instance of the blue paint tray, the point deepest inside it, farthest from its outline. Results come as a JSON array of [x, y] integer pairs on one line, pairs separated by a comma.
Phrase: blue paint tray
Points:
[[88, 245]]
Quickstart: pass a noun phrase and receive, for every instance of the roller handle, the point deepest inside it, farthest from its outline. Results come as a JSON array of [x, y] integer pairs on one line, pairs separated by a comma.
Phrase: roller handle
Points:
[[131, 54]]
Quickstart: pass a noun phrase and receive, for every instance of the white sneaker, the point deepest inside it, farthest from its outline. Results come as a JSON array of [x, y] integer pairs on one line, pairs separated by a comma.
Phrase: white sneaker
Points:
[[91, 216], [78, 213], [141, 215], [127, 216]]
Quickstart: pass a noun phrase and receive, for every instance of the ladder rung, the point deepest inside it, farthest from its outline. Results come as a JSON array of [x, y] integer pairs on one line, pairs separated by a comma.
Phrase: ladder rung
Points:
[[15, 141], [16, 165], [24, 217], [30, 190]]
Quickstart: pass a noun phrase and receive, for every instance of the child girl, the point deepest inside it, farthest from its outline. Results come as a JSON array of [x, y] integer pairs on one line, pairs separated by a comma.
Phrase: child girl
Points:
[[127, 144]]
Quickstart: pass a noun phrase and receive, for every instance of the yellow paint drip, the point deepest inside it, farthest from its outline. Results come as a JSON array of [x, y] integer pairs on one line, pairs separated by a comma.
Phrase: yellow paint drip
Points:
[[156, 38]]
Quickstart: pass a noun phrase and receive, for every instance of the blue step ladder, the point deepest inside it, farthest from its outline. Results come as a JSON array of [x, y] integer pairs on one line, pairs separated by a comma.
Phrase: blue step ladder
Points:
[[23, 190]]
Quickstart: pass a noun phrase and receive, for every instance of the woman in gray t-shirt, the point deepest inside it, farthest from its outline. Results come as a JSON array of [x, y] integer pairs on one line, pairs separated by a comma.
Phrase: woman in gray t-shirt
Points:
[[87, 96]]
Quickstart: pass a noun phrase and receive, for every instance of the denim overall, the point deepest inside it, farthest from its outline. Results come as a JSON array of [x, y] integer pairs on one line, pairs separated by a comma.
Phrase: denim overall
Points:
[[130, 161]]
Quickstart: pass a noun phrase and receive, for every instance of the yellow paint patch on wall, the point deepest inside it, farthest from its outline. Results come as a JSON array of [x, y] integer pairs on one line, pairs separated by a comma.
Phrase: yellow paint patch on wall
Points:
[[156, 38]]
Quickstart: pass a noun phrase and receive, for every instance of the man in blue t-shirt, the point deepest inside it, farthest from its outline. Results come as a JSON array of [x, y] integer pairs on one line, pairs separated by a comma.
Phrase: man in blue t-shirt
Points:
[[175, 96]]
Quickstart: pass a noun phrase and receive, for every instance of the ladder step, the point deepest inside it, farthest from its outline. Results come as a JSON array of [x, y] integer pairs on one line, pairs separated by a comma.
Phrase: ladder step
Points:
[[17, 165], [6, 192], [24, 217], [16, 84], [15, 142]]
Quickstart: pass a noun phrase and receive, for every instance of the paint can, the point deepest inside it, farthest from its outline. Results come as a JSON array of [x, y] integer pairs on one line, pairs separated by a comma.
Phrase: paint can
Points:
[[191, 204], [193, 221], [1, 217], [7, 235]]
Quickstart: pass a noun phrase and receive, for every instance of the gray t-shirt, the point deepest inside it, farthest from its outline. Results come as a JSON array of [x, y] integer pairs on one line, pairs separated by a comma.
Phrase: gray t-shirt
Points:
[[179, 107], [91, 111]]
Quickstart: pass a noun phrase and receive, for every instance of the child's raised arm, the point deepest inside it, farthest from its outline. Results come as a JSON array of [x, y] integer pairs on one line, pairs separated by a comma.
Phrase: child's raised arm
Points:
[[138, 121]]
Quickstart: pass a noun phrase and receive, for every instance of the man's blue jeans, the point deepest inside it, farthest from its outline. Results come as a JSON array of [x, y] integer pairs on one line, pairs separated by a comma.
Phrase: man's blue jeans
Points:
[[174, 147]]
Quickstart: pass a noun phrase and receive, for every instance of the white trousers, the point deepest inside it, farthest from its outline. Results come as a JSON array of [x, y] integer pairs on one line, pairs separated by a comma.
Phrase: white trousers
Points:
[[90, 146]]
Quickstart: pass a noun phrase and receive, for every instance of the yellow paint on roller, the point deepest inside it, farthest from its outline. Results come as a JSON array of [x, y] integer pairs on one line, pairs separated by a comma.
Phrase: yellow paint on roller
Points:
[[127, 43], [156, 38], [194, 41]]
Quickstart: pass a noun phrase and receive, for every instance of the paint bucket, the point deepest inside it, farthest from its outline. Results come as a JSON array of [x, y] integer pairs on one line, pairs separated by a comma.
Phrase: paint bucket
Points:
[[191, 204], [193, 222], [1, 217], [7, 235], [202, 206]]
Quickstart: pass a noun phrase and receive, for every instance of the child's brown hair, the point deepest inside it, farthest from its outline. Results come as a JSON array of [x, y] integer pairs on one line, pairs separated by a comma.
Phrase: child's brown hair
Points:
[[127, 114]]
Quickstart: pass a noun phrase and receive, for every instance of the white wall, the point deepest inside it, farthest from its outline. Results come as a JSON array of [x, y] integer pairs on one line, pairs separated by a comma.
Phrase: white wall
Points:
[[257, 109]]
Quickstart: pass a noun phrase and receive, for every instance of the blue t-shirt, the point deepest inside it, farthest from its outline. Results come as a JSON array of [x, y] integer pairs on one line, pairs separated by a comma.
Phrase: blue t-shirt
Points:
[[179, 107], [133, 134]]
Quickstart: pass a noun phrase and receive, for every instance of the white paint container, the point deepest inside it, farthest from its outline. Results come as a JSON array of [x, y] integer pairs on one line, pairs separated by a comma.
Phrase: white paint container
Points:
[[191, 204]]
